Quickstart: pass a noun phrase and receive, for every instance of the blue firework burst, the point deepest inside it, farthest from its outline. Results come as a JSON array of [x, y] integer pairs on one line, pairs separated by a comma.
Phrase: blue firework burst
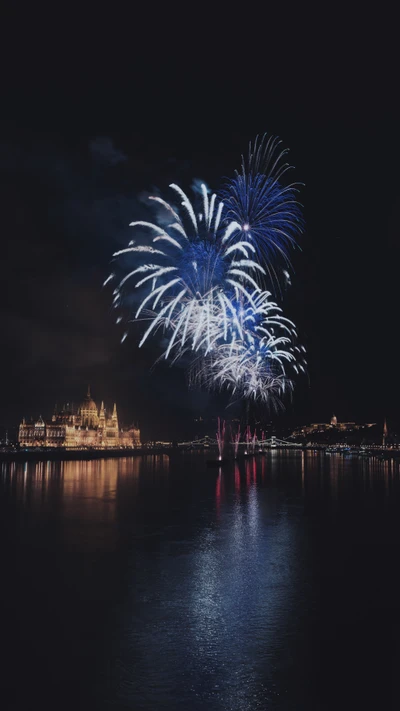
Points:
[[267, 210]]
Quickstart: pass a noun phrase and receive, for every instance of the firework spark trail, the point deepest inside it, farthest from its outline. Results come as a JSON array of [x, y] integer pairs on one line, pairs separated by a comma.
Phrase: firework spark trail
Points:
[[235, 438], [221, 437], [248, 439], [140, 248]]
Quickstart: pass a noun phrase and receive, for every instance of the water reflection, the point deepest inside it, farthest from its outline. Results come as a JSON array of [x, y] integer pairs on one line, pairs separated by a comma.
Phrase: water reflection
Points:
[[190, 588], [82, 495], [215, 625]]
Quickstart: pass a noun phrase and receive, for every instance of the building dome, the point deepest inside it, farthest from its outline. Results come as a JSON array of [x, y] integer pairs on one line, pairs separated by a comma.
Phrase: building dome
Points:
[[88, 403], [88, 411]]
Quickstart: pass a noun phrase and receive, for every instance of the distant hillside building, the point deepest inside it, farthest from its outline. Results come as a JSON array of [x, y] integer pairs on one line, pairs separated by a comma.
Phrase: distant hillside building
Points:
[[87, 428], [319, 427]]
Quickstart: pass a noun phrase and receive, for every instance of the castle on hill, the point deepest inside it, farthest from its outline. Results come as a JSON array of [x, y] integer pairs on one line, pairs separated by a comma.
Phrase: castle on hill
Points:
[[88, 427]]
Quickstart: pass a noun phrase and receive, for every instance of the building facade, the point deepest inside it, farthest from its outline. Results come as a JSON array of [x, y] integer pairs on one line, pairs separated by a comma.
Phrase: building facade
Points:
[[88, 427]]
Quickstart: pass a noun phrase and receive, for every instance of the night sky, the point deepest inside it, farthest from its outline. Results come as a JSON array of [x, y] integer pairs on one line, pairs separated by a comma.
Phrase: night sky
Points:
[[96, 115]]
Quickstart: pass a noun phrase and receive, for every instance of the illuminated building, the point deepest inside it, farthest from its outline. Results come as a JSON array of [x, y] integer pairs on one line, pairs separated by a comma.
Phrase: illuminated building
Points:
[[318, 427], [87, 428], [314, 427], [342, 426]]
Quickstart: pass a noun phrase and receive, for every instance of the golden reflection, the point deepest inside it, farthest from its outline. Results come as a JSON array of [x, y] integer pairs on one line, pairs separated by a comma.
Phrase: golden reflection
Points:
[[82, 494], [386, 473]]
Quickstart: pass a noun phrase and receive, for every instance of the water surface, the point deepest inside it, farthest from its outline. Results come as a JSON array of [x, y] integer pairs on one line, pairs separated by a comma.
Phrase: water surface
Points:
[[141, 583]]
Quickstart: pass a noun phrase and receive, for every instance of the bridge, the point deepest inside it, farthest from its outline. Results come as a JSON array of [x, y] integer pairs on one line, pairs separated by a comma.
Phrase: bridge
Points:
[[251, 445]]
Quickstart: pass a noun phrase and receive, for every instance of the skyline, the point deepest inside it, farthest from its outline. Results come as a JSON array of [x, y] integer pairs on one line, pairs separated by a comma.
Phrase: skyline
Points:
[[76, 169], [199, 427]]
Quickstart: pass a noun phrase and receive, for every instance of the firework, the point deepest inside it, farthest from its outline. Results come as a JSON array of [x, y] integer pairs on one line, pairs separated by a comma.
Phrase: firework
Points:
[[247, 373], [199, 277], [254, 441], [259, 357], [191, 282], [248, 438], [267, 211], [221, 437], [235, 439]]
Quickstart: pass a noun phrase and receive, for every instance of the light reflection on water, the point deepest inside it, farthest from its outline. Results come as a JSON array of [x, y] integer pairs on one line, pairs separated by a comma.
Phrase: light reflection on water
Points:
[[190, 588]]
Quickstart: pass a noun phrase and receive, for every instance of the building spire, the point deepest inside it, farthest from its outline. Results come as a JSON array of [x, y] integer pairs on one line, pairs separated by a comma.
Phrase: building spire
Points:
[[102, 417], [385, 431], [88, 392]]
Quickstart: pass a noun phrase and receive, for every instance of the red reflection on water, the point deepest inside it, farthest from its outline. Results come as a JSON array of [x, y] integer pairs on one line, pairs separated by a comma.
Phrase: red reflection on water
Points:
[[254, 471], [237, 479], [218, 494]]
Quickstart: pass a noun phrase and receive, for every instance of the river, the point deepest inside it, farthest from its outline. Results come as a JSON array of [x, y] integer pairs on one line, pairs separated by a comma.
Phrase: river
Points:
[[146, 584]]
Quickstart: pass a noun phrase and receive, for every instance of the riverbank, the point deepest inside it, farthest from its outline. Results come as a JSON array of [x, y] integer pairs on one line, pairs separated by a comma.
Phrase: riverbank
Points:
[[60, 454]]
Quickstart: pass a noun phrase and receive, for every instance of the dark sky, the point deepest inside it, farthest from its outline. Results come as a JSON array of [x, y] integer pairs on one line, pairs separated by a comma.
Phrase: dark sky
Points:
[[100, 110]]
